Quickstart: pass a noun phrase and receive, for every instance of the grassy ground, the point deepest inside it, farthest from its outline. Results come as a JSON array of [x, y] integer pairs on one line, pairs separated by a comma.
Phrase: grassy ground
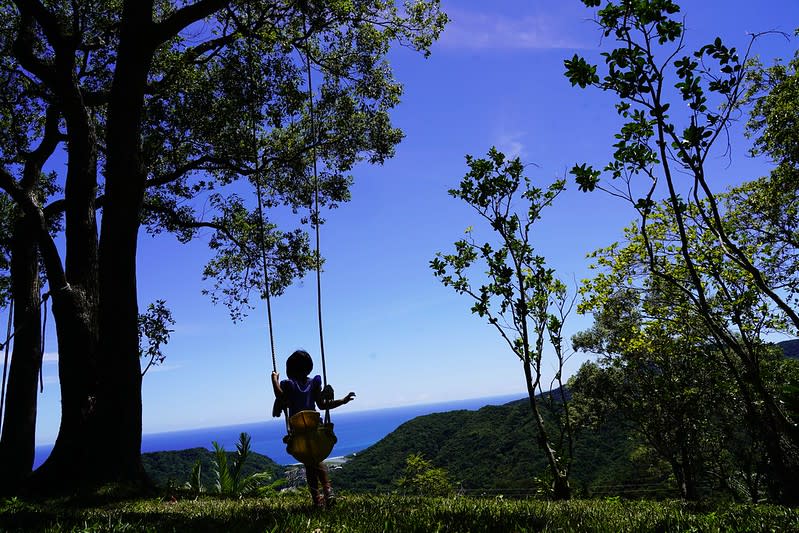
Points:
[[387, 513]]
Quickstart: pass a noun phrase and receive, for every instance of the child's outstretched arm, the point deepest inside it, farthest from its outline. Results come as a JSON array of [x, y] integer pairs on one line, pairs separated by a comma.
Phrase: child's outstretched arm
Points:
[[332, 404], [276, 385]]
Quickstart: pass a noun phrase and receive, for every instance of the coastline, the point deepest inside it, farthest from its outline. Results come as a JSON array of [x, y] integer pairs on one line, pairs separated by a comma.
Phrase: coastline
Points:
[[356, 430]]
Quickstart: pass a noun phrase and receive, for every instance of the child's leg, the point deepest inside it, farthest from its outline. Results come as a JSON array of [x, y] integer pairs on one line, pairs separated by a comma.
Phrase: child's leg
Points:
[[330, 498], [312, 475]]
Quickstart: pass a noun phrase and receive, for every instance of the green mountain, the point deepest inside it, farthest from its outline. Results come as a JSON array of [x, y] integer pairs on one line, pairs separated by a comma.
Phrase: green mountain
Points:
[[494, 448], [175, 466], [790, 348]]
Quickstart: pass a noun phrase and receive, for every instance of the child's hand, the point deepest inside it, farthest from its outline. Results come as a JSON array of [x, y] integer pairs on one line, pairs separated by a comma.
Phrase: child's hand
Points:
[[349, 397], [275, 377]]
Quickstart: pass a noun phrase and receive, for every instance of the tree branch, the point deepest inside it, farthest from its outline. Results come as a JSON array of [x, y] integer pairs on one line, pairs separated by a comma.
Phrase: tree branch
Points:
[[184, 17], [24, 52], [36, 160], [47, 247], [47, 20]]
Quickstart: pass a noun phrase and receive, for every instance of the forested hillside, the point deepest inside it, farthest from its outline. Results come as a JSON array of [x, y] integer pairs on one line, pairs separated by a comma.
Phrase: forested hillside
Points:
[[495, 448], [176, 466]]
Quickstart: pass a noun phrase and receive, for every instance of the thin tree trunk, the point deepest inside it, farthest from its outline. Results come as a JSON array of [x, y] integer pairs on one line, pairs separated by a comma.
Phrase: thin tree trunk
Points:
[[690, 491], [560, 482], [17, 443], [75, 308]]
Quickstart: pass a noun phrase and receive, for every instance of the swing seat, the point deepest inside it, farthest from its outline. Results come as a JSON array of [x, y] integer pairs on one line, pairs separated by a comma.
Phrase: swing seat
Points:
[[309, 440]]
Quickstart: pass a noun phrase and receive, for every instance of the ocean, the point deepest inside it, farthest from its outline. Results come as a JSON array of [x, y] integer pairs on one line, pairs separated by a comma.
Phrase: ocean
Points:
[[355, 430]]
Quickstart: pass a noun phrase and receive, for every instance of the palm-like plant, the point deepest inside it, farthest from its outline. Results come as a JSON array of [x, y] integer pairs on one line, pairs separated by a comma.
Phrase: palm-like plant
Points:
[[229, 480], [195, 483]]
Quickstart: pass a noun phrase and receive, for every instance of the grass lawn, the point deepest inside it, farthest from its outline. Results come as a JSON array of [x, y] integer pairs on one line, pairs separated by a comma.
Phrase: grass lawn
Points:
[[286, 513]]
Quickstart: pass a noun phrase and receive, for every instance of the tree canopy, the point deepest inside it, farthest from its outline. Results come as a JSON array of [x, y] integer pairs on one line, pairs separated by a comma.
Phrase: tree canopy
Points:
[[677, 107], [161, 107]]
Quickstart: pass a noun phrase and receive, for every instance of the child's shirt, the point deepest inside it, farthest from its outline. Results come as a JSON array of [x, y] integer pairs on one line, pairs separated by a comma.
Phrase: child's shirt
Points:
[[300, 397]]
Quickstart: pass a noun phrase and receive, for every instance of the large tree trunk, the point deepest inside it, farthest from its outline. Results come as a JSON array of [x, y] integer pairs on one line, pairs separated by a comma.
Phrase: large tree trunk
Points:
[[119, 401], [17, 443]]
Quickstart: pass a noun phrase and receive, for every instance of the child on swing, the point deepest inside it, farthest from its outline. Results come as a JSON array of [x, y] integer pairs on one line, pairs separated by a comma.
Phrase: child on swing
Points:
[[301, 393]]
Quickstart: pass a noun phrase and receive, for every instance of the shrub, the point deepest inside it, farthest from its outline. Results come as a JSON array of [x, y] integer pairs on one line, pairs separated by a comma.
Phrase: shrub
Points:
[[422, 478]]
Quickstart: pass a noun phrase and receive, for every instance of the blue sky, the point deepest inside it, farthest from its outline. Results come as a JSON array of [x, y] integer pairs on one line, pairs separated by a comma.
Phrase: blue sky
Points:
[[393, 333]]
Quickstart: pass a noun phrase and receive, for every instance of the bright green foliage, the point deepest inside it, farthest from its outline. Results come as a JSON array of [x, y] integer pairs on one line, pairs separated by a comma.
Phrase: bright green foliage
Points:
[[661, 367], [229, 478], [654, 260], [763, 215], [774, 117], [658, 371], [520, 297], [420, 477]]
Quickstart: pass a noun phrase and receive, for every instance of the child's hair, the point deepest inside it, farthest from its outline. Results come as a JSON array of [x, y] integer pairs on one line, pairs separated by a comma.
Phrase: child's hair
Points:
[[299, 365]]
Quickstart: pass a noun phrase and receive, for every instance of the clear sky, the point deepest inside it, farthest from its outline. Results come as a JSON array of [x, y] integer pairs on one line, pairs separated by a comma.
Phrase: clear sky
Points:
[[393, 333]]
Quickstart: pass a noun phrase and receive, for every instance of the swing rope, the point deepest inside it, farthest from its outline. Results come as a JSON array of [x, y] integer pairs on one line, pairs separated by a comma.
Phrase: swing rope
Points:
[[316, 445], [314, 206], [315, 213], [262, 230], [259, 192]]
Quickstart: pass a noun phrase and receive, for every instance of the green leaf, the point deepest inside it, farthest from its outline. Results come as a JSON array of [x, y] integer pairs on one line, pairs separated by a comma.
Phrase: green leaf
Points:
[[586, 177]]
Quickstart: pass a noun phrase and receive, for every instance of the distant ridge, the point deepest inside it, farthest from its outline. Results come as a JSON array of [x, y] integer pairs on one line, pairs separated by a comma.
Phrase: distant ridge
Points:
[[790, 348]]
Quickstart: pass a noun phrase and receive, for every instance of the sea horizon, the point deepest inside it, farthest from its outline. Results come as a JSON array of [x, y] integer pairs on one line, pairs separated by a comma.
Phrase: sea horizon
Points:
[[356, 430]]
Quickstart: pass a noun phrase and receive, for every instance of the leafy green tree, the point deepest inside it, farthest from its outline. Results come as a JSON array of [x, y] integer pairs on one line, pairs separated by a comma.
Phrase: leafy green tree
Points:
[[153, 117], [657, 145], [521, 297], [420, 477], [763, 214], [649, 324], [656, 370]]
